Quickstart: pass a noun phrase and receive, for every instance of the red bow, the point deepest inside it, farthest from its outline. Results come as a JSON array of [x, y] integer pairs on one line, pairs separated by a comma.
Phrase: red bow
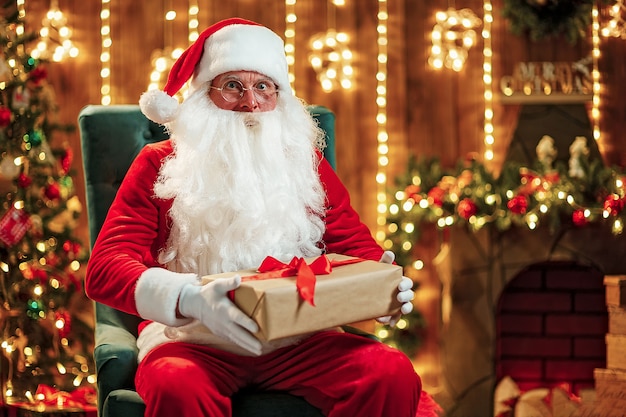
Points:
[[304, 273]]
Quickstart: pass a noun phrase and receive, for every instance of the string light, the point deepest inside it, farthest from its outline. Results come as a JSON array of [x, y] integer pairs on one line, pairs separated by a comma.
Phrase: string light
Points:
[[595, 73], [290, 36], [105, 56], [616, 27], [381, 121], [54, 31], [452, 37], [163, 59], [331, 58], [193, 23], [488, 81]]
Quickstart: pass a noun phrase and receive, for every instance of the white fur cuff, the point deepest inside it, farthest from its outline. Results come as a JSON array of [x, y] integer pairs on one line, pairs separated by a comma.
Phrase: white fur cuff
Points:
[[157, 292]]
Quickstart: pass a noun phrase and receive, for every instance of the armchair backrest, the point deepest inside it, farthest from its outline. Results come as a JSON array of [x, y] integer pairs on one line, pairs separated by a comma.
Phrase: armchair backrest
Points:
[[111, 137]]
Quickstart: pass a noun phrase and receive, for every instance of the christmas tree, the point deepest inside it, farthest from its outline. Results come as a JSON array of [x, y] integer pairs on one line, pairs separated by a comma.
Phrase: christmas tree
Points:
[[45, 345]]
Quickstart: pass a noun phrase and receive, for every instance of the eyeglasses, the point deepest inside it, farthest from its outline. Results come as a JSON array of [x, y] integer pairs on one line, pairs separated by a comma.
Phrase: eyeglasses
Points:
[[233, 90]]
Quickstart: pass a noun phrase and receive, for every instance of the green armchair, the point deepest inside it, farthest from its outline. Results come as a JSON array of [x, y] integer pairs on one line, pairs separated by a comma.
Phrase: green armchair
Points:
[[111, 137]]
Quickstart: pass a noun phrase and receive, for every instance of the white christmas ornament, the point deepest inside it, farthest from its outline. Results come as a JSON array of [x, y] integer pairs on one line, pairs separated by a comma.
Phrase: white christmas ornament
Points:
[[8, 168], [546, 152], [577, 150]]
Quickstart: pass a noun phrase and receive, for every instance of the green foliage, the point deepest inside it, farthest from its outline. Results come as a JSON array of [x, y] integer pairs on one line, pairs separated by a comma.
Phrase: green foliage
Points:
[[541, 19], [470, 196], [43, 340]]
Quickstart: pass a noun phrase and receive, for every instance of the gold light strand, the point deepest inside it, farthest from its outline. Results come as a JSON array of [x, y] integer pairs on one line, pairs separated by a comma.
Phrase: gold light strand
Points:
[[595, 74], [55, 37], [488, 81], [105, 56], [290, 37], [330, 55], [616, 27], [193, 24], [163, 59], [381, 121], [21, 12], [453, 35]]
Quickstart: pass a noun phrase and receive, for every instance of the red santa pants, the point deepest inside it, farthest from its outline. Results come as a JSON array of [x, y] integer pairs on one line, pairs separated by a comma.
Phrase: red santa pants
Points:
[[344, 375]]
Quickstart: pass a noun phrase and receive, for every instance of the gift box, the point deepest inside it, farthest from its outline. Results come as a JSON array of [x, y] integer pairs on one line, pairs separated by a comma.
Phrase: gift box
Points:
[[617, 320], [615, 288], [349, 290], [616, 351], [610, 391]]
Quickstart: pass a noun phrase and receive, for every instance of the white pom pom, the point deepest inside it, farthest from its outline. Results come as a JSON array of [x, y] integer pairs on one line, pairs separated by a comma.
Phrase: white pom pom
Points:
[[158, 106]]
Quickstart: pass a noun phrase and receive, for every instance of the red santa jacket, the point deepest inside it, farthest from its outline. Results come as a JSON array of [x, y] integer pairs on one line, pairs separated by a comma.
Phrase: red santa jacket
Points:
[[137, 227]]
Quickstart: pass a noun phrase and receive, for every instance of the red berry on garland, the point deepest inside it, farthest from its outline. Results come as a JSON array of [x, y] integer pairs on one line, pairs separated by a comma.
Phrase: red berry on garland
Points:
[[518, 204], [66, 160], [613, 204], [5, 116], [467, 208], [53, 191], [435, 196], [412, 191], [63, 322], [24, 181], [579, 218]]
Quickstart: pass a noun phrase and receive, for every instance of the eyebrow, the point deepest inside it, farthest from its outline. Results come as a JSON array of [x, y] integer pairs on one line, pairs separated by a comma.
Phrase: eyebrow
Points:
[[236, 78]]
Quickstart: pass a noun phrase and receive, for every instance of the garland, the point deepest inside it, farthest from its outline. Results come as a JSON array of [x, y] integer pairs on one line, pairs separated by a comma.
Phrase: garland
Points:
[[522, 196], [542, 19]]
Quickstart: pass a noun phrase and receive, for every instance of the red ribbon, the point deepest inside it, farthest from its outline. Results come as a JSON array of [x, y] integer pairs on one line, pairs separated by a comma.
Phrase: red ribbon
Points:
[[304, 273]]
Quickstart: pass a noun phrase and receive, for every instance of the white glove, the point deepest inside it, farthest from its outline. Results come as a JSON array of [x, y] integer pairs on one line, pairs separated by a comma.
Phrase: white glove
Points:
[[211, 306], [405, 294]]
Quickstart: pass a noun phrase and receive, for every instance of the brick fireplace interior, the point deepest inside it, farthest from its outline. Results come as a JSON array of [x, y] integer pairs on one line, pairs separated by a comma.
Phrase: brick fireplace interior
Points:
[[528, 304], [551, 322]]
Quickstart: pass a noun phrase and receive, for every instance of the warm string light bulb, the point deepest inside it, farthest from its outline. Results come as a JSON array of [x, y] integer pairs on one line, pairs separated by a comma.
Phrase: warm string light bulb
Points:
[[488, 81], [105, 55], [452, 37], [381, 122], [290, 36]]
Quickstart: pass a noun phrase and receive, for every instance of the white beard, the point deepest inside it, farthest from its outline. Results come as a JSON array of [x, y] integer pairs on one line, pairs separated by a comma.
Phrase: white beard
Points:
[[244, 186]]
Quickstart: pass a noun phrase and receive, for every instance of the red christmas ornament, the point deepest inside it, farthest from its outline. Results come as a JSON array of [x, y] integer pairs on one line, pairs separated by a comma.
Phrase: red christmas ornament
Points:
[[412, 191], [24, 181], [518, 204], [5, 116], [613, 204], [37, 75], [435, 196], [63, 322], [579, 219], [53, 191], [467, 208], [66, 160]]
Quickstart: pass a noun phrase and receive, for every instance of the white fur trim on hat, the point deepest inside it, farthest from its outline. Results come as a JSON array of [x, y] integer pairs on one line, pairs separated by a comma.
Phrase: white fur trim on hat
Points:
[[158, 106], [241, 47], [157, 292]]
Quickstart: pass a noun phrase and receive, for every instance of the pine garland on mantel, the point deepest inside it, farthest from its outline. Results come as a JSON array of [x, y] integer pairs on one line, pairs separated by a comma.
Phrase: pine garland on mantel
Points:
[[522, 196], [542, 19]]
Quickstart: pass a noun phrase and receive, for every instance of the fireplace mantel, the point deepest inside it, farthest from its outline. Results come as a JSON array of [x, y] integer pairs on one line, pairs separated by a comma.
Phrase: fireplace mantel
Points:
[[474, 268]]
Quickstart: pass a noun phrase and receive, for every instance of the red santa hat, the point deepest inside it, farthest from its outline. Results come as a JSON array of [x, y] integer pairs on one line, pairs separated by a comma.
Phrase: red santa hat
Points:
[[229, 45]]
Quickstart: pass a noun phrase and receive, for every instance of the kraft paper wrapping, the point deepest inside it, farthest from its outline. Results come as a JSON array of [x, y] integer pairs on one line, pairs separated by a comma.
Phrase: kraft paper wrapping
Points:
[[350, 293]]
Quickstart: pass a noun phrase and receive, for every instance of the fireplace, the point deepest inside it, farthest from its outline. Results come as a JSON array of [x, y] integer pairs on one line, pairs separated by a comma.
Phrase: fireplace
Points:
[[524, 303]]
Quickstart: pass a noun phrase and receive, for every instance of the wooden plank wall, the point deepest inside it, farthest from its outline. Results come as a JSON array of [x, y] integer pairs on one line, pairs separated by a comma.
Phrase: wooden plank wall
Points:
[[430, 112]]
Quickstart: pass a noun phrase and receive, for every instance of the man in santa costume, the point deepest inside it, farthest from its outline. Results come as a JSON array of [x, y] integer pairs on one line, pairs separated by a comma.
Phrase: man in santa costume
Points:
[[241, 178]]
